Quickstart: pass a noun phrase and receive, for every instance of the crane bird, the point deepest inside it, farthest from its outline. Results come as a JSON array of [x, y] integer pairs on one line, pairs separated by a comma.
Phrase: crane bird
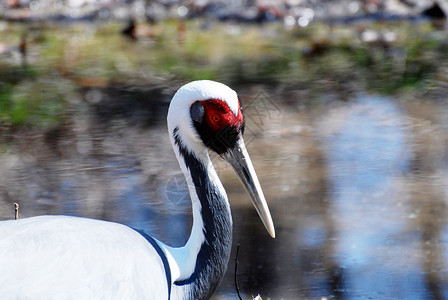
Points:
[[61, 257]]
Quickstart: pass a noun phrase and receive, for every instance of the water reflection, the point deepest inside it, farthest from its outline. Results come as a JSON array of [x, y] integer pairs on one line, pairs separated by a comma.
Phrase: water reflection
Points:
[[375, 244], [357, 191], [428, 183]]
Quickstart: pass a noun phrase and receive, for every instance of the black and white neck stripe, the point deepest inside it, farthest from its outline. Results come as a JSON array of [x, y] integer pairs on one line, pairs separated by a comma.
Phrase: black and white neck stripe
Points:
[[213, 256]]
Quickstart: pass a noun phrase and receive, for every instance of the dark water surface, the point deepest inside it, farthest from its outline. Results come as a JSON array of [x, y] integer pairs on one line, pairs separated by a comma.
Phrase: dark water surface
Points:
[[357, 191]]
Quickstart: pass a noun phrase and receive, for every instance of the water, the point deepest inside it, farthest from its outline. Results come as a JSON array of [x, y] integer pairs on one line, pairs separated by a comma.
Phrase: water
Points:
[[356, 182], [357, 215]]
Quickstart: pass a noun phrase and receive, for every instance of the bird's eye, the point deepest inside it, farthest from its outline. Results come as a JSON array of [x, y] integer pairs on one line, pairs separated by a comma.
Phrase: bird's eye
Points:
[[197, 112], [216, 118]]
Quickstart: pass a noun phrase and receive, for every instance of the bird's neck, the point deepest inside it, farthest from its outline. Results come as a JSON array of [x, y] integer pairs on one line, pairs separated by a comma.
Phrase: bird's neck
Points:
[[203, 260]]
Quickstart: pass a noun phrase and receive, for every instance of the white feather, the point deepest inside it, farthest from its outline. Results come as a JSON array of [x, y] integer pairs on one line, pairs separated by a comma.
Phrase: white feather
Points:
[[57, 257]]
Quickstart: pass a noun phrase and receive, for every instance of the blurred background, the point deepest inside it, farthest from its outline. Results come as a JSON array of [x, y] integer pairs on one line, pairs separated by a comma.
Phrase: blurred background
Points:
[[346, 110]]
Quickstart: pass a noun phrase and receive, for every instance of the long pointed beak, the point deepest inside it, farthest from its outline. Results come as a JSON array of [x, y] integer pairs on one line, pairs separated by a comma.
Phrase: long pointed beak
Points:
[[239, 160]]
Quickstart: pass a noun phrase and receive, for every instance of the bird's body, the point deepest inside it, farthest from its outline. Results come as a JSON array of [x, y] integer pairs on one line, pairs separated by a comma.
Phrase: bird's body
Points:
[[96, 259], [56, 257]]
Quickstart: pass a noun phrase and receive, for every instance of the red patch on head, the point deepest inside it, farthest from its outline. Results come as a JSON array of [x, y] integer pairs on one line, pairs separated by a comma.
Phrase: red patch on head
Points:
[[218, 115]]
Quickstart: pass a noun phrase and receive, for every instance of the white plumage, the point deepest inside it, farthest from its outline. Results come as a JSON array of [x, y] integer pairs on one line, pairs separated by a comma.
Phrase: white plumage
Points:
[[58, 257]]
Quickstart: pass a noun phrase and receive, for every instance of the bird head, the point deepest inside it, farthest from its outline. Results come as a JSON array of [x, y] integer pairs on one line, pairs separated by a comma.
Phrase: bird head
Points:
[[207, 115]]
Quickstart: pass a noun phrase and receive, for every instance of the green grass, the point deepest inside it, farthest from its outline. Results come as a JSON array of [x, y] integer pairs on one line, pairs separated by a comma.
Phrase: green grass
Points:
[[317, 58]]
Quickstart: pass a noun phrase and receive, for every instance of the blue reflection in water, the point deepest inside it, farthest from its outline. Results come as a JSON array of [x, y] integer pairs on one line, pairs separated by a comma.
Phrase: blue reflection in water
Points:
[[70, 203], [137, 208], [365, 158]]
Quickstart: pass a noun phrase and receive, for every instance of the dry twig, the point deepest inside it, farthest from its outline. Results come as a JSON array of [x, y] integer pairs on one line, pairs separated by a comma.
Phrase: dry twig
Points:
[[236, 269], [16, 211]]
